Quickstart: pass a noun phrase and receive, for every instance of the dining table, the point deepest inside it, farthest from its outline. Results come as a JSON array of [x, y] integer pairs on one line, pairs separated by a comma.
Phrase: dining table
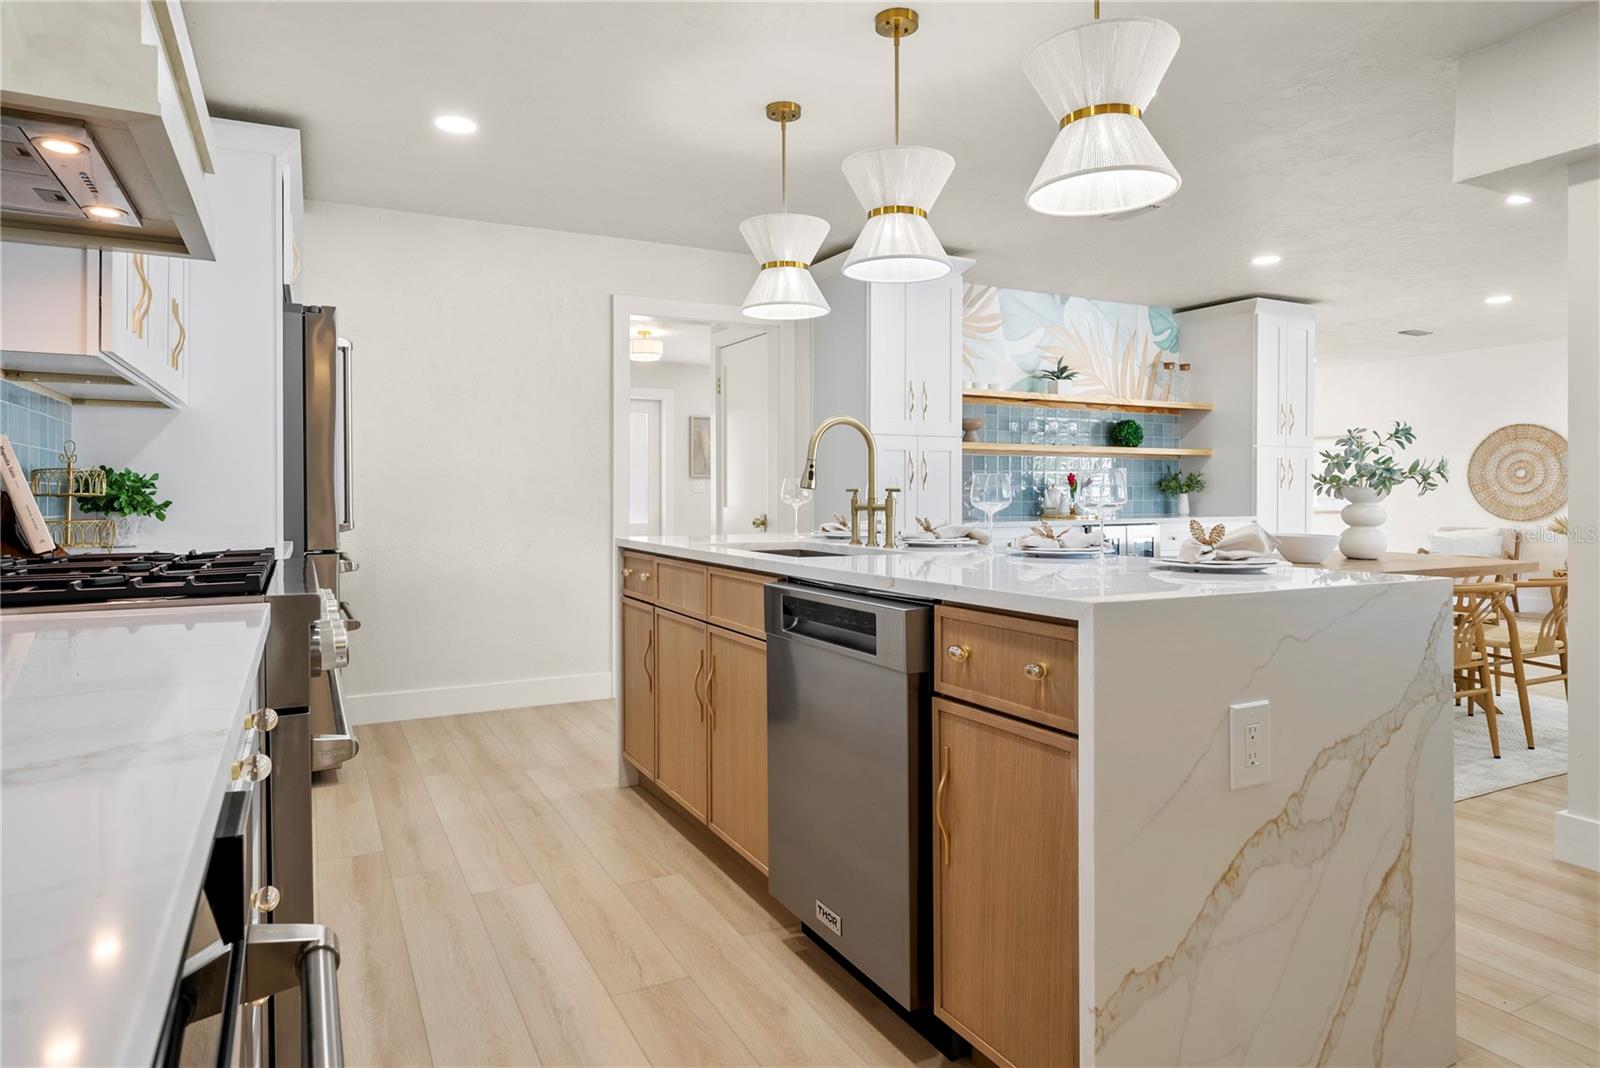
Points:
[[1438, 564]]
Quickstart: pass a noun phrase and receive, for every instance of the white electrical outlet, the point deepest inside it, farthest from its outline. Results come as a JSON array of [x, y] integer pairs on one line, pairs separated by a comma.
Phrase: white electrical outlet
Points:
[[1249, 744]]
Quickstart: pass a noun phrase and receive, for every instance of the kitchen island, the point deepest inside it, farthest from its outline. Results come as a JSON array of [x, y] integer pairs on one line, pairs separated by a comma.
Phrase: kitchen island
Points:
[[117, 736], [1308, 918]]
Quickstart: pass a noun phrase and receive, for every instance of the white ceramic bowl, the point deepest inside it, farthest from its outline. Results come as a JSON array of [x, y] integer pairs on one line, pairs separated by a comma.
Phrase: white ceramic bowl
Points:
[[1306, 548]]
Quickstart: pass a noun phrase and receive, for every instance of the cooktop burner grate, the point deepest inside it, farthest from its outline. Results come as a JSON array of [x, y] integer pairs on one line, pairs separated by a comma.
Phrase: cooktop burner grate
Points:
[[106, 578]]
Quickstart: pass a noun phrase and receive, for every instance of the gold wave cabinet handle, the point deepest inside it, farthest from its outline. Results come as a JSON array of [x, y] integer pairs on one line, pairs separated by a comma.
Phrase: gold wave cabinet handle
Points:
[[141, 307], [938, 803], [183, 336]]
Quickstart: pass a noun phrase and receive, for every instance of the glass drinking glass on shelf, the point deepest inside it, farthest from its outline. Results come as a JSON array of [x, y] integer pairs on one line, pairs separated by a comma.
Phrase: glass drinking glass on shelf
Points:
[[795, 496], [1074, 433], [990, 492], [1052, 432], [1035, 432]]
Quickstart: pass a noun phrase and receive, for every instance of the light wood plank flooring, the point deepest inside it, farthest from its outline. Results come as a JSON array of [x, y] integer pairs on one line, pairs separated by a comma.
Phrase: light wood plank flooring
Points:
[[499, 900]]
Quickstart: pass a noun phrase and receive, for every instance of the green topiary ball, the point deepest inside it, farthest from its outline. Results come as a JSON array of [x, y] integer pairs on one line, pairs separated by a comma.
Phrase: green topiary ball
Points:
[[1127, 434]]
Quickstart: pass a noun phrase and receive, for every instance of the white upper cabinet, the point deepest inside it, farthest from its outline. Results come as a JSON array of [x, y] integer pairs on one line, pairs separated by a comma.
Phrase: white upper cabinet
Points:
[[1285, 347], [120, 80]]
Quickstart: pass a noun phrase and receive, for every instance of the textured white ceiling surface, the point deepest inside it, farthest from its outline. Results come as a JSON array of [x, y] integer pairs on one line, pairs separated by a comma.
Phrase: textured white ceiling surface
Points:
[[1319, 131]]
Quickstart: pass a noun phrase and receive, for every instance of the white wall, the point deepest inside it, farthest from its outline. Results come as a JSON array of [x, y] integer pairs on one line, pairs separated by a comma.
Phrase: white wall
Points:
[[483, 448], [1453, 401], [690, 386]]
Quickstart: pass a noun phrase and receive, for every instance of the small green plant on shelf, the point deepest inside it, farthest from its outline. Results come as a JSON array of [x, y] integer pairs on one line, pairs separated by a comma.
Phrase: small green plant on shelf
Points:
[[1366, 459], [128, 493], [1059, 373], [1176, 483], [1127, 434]]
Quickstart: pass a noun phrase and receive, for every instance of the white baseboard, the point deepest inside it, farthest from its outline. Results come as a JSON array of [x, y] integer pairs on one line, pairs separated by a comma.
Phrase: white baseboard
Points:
[[1578, 840], [397, 705]]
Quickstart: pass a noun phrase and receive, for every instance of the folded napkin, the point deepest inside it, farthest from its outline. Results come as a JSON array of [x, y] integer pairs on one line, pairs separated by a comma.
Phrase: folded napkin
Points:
[[1246, 543], [838, 525], [1044, 536], [949, 532]]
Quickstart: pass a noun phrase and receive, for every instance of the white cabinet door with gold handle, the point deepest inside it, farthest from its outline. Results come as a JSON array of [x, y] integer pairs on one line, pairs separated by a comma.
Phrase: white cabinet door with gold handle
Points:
[[146, 321]]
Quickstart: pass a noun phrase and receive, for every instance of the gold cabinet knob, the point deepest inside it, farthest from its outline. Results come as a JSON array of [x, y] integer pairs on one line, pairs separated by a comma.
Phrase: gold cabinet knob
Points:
[[265, 899], [627, 572], [958, 653], [262, 719], [1036, 672], [252, 769], [644, 576]]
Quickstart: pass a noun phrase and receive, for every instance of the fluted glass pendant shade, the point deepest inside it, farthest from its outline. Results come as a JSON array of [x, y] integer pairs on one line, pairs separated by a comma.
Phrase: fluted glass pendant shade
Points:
[[784, 245], [1097, 79], [897, 186]]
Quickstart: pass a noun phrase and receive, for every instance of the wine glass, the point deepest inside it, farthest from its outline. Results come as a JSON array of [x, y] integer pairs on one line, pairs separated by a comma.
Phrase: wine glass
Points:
[[795, 496], [991, 492]]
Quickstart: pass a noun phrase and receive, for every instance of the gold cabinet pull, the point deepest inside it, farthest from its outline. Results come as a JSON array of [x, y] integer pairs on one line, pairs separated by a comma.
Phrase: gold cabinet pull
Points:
[[924, 470], [1036, 672], [911, 400], [266, 898], [938, 803], [262, 719], [252, 769], [711, 696], [959, 653], [695, 686], [924, 399], [141, 307], [649, 647], [183, 335]]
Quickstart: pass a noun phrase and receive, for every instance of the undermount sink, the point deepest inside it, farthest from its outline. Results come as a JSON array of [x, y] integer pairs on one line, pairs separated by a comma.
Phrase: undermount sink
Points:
[[798, 552], [804, 550]]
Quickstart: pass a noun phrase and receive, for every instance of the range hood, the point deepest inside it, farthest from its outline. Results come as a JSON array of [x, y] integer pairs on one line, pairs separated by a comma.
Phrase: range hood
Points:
[[104, 133]]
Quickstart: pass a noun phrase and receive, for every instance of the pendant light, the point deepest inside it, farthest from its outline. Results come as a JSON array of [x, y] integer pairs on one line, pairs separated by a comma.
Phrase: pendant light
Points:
[[897, 186], [784, 244], [644, 348], [1097, 79]]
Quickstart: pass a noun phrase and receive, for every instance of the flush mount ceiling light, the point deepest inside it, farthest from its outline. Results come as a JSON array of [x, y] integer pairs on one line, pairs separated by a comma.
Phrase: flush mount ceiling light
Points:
[[1498, 298], [104, 211], [1096, 80], [1266, 259], [784, 244], [644, 348], [1516, 200], [897, 186], [455, 124], [59, 146]]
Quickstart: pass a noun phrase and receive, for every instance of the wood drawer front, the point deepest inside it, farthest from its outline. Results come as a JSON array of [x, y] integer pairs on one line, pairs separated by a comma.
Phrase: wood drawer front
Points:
[[639, 576], [737, 600], [680, 586], [1026, 667]]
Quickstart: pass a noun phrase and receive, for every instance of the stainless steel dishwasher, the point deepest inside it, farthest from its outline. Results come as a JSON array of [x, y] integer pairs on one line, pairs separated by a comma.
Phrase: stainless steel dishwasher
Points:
[[847, 772]]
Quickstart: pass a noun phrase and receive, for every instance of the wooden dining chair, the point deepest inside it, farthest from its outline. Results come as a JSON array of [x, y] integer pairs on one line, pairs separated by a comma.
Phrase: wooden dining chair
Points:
[[1476, 603], [1522, 648]]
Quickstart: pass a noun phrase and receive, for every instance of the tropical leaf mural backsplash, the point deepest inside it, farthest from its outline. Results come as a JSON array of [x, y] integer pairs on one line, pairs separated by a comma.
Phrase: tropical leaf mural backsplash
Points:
[[1008, 335]]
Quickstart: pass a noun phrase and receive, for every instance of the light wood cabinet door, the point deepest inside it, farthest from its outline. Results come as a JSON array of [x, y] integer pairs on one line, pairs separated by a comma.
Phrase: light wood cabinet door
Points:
[[737, 711], [639, 685], [1005, 885], [1027, 667], [680, 666]]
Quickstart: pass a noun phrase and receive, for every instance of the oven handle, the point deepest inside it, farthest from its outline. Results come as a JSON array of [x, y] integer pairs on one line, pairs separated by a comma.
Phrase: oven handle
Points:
[[331, 750], [349, 436]]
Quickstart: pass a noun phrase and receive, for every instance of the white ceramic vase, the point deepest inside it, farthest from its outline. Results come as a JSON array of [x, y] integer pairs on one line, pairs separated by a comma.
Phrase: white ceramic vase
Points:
[[1183, 504], [1363, 537]]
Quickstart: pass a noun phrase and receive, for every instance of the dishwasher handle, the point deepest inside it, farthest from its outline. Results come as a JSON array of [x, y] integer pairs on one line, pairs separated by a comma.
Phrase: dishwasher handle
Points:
[[891, 634]]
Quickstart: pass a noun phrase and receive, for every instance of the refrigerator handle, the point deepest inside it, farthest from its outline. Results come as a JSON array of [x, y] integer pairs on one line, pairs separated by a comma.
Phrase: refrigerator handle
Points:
[[349, 438]]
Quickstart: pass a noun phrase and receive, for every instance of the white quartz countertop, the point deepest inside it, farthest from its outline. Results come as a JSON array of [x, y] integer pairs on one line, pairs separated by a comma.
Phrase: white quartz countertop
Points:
[[117, 732], [977, 577]]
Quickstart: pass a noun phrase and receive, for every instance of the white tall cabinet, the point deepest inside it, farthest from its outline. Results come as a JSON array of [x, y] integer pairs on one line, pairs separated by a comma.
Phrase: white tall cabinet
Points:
[[890, 355], [1256, 361]]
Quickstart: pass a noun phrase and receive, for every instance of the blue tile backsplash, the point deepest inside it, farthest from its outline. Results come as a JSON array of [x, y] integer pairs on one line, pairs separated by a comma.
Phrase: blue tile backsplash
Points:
[[38, 426], [1014, 424]]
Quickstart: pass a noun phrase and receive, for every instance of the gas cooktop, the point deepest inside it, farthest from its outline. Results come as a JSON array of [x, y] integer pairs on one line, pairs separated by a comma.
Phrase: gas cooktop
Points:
[[111, 578]]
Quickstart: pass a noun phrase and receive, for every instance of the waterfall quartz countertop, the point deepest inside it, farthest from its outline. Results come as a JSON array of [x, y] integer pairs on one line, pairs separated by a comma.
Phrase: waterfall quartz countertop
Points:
[[117, 733], [1308, 919]]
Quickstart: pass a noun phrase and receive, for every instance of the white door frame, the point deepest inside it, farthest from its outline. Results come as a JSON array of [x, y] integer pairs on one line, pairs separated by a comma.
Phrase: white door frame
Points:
[[733, 334], [664, 398]]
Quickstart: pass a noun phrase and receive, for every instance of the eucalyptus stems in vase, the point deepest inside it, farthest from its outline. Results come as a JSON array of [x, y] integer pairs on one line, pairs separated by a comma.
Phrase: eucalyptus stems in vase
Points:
[[1363, 468]]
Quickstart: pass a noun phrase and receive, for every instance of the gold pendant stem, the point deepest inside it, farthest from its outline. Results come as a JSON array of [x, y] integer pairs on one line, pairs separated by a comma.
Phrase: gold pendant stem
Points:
[[1096, 8], [897, 89], [783, 164]]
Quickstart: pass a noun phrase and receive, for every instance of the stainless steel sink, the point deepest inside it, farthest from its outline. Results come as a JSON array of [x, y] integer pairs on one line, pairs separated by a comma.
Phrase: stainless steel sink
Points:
[[797, 552]]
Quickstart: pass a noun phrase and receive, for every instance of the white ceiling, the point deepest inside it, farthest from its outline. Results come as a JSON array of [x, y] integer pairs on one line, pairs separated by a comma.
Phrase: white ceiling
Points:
[[1320, 131]]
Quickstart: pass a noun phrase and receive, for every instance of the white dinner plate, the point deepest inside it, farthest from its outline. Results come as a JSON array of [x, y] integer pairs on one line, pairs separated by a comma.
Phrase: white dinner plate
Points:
[[1086, 553], [830, 535], [1220, 567], [939, 543]]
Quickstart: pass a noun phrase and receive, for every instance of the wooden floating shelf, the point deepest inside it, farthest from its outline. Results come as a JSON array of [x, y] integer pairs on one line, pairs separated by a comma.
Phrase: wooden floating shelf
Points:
[[1106, 404], [998, 448]]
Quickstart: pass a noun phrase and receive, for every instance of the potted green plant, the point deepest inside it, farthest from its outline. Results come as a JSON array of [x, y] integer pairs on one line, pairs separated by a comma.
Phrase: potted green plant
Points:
[[131, 497], [1059, 376], [1126, 434], [1364, 467], [1180, 484]]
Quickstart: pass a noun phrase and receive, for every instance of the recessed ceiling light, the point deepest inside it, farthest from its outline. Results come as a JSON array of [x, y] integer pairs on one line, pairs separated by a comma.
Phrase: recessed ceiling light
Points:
[[1498, 298], [1414, 332], [1518, 199], [105, 211], [60, 146], [1266, 259], [455, 124]]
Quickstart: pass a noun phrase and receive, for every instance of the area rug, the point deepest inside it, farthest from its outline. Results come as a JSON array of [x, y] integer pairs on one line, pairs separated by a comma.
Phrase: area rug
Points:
[[1477, 772]]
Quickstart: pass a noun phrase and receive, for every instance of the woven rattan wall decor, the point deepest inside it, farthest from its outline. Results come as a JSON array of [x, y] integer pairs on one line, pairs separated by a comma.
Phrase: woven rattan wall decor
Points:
[[1519, 472]]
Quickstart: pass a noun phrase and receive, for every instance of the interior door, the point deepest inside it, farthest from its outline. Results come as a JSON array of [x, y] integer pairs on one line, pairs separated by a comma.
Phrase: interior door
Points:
[[639, 685], [736, 691], [644, 466], [1005, 885], [680, 664], [746, 486]]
